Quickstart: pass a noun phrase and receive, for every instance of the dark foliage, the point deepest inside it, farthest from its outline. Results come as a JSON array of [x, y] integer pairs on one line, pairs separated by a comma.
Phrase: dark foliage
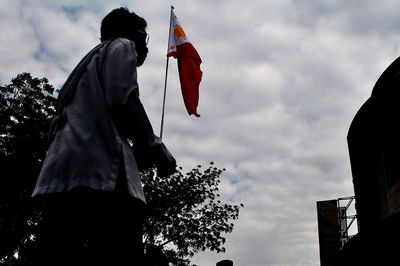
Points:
[[185, 214], [25, 108]]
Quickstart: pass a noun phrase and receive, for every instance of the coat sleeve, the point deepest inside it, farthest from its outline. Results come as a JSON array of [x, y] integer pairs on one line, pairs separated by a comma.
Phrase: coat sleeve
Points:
[[121, 92]]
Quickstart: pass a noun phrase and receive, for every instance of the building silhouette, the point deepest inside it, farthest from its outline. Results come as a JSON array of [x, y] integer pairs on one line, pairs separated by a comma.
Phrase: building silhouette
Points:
[[374, 149]]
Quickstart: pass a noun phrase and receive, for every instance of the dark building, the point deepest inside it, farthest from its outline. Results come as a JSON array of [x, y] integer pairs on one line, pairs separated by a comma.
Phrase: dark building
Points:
[[374, 148], [328, 232], [335, 220]]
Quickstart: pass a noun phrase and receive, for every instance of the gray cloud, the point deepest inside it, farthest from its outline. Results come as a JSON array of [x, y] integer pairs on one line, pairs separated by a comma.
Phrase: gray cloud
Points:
[[282, 81]]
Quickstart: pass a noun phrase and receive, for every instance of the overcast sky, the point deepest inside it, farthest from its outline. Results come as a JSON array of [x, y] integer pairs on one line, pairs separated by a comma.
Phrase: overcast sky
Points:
[[282, 81]]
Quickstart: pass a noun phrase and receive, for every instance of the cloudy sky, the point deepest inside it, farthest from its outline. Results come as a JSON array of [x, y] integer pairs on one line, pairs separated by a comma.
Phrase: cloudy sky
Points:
[[282, 81]]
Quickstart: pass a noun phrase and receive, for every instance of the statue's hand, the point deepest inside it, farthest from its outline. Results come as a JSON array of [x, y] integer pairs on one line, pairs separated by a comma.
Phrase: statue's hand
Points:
[[166, 166]]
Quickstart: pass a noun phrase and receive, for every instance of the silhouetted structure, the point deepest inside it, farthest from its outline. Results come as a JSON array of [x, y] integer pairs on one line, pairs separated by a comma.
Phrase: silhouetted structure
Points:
[[328, 232], [374, 147], [225, 263], [90, 182], [334, 223]]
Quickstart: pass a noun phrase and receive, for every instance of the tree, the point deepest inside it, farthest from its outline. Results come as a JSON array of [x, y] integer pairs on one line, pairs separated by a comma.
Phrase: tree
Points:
[[185, 214], [25, 108]]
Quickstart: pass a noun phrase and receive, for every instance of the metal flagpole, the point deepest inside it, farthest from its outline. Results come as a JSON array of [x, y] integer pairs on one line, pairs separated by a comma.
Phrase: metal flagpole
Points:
[[166, 76]]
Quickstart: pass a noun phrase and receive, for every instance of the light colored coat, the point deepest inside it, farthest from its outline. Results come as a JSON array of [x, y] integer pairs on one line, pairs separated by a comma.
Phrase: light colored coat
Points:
[[91, 144]]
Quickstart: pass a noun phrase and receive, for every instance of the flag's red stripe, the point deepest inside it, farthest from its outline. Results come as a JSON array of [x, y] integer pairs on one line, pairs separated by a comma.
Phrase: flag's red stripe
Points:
[[189, 74]]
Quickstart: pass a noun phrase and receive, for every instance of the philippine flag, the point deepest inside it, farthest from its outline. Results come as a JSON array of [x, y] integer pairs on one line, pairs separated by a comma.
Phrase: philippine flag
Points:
[[188, 65]]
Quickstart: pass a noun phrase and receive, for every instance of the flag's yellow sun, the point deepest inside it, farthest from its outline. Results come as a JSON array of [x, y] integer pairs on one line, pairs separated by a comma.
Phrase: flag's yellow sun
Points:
[[179, 33]]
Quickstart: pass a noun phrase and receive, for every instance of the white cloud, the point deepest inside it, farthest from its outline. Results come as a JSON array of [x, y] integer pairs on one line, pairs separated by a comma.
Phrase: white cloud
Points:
[[282, 81]]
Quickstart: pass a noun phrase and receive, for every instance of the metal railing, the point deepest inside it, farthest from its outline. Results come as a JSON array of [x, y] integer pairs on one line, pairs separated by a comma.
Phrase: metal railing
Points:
[[346, 220]]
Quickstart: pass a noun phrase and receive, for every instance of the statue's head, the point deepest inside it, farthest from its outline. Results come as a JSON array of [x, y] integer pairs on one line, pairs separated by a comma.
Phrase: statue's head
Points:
[[120, 23]]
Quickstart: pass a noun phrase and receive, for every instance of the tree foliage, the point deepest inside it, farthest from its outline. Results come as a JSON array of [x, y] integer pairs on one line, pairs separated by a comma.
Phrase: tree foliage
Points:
[[185, 214], [25, 108]]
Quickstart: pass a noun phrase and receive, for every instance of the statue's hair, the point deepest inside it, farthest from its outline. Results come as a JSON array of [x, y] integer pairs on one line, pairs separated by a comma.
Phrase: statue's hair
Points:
[[120, 23]]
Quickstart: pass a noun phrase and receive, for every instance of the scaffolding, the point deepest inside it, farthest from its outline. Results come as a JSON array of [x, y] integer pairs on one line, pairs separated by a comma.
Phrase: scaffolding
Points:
[[347, 216]]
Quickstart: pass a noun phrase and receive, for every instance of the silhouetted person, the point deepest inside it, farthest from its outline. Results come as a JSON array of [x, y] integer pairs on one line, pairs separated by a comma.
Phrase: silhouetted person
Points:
[[90, 181]]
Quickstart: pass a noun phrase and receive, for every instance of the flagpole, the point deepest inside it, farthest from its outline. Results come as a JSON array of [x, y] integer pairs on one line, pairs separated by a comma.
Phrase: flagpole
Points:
[[166, 76]]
